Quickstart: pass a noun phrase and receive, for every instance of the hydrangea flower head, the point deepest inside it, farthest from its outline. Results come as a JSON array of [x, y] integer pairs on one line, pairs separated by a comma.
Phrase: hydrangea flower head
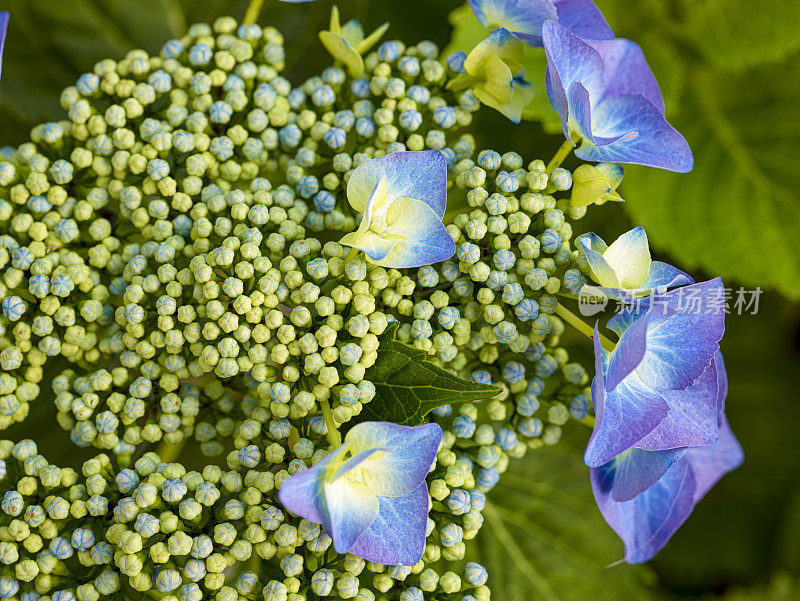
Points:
[[657, 390], [645, 496], [625, 265], [501, 84], [402, 196], [347, 43], [370, 494], [525, 17], [4, 17], [607, 95]]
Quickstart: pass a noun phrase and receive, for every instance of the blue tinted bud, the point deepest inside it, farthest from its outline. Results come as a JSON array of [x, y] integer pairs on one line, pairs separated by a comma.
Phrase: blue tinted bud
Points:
[[365, 127], [409, 65], [579, 407], [360, 88], [504, 259], [463, 426], [13, 307], [297, 98], [323, 96], [336, 138], [102, 553], [448, 317], [250, 456], [507, 182], [546, 366], [541, 325], [551, 241], [146, 525], [61, 548], [390, 51], [527, 404], [442, 411], [477, 499], [489, 160], [412, 594], [505, 332], [168, 580], [451, 535], [279, 429], [444, 117], [410, 120], [475, 574], [322, 582], [456, 61], [459, 501], [12, 503], [61, 285], [506, 439], [200, 54], [487, 478], [82, 539], [561, 179], [530, 427]]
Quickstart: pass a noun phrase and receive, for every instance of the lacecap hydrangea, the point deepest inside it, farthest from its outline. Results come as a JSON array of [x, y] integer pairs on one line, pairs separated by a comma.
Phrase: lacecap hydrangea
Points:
[[238, 289]]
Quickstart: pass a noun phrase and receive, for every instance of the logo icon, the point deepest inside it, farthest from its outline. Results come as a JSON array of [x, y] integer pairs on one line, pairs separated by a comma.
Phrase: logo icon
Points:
[[591, 300]]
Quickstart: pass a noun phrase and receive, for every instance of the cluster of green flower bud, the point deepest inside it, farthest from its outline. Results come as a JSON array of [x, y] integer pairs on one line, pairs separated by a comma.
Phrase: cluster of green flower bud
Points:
[[174, 239]]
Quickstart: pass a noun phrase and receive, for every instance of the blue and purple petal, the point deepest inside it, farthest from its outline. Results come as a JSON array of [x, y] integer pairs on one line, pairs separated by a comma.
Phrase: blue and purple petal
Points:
[[420, 175], [4, 18], [605, 92], [397, 536], [409, 454], [525, 18]]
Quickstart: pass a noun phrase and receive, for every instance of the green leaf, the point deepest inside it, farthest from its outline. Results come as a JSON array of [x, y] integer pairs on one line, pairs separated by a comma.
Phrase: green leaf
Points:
[[409, 386], [738, 213], [468, 32], [733, 34], [544, 538], [782, 587]]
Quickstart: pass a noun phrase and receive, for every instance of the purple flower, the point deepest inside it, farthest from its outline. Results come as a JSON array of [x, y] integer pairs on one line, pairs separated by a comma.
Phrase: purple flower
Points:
[[607, 96], [524, 18], [4, 17], [657, 390], [645, 496], [370, 494]]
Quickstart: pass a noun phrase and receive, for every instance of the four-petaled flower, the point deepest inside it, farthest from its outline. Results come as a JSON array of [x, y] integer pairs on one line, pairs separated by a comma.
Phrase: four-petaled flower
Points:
[[657, 390], [347, 43], [524, 18], [606, 94], [402, 196], [370, 494], [4, 17], [645, 496], [498, 75], [624, 269]]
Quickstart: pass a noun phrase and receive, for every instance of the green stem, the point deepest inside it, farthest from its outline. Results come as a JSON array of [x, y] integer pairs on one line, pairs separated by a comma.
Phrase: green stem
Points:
[[462, 82], [351, 255], [333, 432], [253, 11], [583, 327], [560, 156]]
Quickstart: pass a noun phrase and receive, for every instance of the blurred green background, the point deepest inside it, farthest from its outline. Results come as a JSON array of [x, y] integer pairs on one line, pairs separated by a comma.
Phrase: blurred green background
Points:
[[730, 73]]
